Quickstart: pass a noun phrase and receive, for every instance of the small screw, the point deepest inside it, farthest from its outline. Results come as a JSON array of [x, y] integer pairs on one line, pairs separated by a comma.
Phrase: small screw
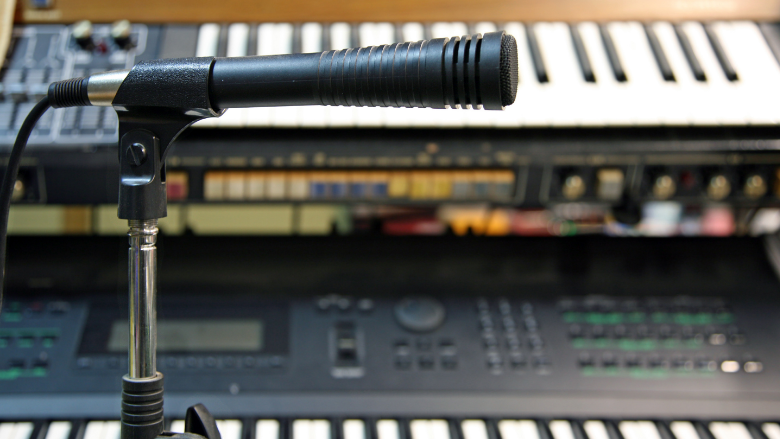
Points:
[[136, 153]]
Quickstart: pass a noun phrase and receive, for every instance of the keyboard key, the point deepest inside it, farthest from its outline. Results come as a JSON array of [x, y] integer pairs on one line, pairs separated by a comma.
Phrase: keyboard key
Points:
[[112, 430], [238, 39], [690, 56], [229, 428], [267, 429], [208, 40], [771, 430], [274, 39], [354, 429], [595, 430], [729, 430], [607, 104], [311, 38], [388, 429], [177, 426], [536, 54], [340, 36], [484, 27], [563, 430], [612, 55], [658, 53], [723, 59], [582, 54], [376, 34], [522, 429], [565, 87], [474, 429], [58, 430], [412, 32], [684, 430]]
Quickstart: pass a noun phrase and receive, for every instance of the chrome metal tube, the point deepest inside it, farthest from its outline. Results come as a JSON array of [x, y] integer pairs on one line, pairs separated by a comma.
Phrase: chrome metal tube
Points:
[[142, 273]]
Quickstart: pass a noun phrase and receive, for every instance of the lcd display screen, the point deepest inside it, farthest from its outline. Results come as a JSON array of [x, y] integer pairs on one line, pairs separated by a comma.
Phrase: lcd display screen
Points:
[[196, 335]]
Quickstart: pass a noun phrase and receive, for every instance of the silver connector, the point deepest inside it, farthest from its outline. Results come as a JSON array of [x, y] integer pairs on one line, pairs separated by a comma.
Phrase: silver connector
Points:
[[102, 87], [142, 274]]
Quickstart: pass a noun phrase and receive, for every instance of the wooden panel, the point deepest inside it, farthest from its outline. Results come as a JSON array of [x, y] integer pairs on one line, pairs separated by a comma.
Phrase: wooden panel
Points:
[[164, 11]]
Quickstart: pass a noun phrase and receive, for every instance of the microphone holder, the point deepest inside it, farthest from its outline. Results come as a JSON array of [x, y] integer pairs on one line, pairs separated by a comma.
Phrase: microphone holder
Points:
[[145, 136]]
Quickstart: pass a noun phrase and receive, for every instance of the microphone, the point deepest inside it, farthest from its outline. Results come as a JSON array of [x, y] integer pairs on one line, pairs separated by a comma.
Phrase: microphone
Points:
[[473, 71]]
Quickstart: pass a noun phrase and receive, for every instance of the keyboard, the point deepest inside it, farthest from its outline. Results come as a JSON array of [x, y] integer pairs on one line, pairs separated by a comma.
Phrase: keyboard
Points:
[[571, 75], [390, 428]]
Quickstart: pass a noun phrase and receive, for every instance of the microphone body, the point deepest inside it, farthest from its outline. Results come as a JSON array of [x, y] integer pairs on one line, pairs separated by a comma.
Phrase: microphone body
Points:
[[461, 72]]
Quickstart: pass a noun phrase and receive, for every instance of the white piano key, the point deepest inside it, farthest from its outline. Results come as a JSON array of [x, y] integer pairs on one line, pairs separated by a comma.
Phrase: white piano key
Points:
[[720, 94], [441, 30], [313, 116], [208, 40], [311, 38], [595, 430], [561, 429], [258, 117], [629, 429], [474, 429], [6, 430], [267, 429], [413, 31], [439, 429], [566, 87], [287, 117], [771, 430], [376, 34], [459, 29], [340, 36], [370, 116], [354, 429], [756, 68], [648, 430], [644, 80], [336, 116], [94, 430], [238, 39], [23, 430], [388, 429], [721, 430], [609, 107], [274, 38], [177, 426], [528, 429], [112, 430], [58, 430], [320, 429], [301, 429], [229, 428], [484, 27], [233, 118], [507, 428], [683, 430], [685, 89]]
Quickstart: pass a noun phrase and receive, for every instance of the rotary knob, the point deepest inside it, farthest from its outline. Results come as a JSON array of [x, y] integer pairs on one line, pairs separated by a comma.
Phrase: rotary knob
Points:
[[82, 33], [419, 314]]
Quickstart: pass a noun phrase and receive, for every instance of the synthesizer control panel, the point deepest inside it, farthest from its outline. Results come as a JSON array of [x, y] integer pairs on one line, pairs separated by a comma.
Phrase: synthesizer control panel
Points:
[[701, 347]]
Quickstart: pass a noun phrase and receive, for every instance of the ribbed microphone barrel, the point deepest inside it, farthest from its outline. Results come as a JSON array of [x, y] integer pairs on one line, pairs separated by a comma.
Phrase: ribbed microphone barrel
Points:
[[466, 72]]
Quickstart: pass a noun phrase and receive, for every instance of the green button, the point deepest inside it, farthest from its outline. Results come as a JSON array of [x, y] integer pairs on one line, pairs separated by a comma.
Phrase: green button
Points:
[[572, 317], [702, 318], [725, 318], [12, 317], [579, 343], [683, 318], [661, 317], [635, 317]]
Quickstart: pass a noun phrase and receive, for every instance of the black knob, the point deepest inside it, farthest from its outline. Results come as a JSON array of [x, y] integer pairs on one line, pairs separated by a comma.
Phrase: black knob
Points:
[[420, 314]]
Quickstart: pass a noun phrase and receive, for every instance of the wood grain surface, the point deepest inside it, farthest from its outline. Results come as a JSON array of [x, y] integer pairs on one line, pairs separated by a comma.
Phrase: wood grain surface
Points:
[[166, 11]]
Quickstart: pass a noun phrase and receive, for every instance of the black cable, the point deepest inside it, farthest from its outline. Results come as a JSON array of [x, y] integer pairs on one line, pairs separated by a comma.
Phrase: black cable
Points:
[[9, 180]]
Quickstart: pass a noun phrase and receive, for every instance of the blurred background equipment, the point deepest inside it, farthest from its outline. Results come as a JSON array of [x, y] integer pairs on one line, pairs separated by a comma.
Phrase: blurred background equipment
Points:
[[589, 264]]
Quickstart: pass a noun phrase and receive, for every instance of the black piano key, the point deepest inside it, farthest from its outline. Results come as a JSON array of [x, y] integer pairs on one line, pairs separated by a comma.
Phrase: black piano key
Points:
[[663, 430], [222, 45], [251, 48], [492, 429], [77, 428], [755, 430], [536, 54], [693, 61], [703, 430], [614, 60], [612, 430], [577, 430], [39, 430], [248, 427], [582, 54], [723, 59], [771, 32], [658, 52], [297, 40], [354, 38]]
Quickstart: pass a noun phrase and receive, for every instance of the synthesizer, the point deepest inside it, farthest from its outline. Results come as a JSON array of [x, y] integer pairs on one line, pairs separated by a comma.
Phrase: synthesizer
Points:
[[606, 113]]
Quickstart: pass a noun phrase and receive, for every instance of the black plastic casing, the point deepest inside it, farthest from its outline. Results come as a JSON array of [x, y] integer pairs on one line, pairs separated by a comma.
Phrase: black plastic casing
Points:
[[459, 72]]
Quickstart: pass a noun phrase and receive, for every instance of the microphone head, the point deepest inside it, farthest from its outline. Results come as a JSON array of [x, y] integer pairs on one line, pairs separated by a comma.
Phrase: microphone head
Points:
[[508, 69]]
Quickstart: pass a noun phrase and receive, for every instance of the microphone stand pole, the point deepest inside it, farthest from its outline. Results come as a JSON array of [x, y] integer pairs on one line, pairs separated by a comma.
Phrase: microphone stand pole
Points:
[[145, 135]]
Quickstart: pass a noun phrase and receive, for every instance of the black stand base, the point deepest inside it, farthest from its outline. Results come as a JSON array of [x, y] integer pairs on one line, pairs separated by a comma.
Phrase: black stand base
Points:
[[142, 407]]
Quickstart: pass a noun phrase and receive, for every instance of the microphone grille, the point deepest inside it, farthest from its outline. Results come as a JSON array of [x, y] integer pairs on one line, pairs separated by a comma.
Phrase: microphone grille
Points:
[[508, 69]]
